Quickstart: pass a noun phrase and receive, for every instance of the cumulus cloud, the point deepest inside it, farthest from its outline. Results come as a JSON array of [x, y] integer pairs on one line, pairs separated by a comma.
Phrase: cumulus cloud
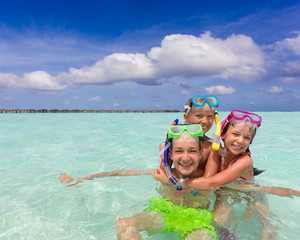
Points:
[[236, 57], [220, 90], [131, 95], [273, 90], [186, 55], [114, 68], [35, 80], [291, 68], [291, 44], [185, 92], [95, 99], [290, 80]]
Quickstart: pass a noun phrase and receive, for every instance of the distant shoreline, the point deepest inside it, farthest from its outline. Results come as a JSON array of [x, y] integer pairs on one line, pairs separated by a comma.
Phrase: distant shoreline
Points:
[[82, 111]]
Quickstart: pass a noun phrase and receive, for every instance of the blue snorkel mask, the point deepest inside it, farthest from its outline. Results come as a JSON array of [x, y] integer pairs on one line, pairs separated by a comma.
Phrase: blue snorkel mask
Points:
[[176, 131]]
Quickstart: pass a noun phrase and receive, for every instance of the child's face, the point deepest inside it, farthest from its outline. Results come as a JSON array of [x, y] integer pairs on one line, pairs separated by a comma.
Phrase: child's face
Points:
[[186, 154], [203, 116], [237, 138]]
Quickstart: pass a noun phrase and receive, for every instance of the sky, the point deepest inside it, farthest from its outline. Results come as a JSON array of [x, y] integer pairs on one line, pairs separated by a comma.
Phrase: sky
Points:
[[149, 55]]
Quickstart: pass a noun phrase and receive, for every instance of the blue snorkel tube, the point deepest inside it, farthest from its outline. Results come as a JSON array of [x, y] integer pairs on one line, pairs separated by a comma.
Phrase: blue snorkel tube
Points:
[[173, 180]]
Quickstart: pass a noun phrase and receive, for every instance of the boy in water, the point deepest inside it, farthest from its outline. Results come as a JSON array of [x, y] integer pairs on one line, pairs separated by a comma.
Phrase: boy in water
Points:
[[167, 216]]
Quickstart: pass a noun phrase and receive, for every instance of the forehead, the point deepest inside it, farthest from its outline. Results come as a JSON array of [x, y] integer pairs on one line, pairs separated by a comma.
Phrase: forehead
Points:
[[244, 128], [206, 109], [186, 140]]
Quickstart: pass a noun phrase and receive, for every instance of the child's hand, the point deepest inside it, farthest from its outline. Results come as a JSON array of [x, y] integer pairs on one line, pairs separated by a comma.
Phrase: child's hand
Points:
[[64, 177]]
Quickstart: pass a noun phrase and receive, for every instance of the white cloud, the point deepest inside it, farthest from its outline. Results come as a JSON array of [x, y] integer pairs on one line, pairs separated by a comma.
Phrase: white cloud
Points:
[[35, 80], [222, 90], [236, 57], [292, 44], [95, 99], [131, 95], [114, 68], [76, 98], [186, 55], [116, 104], [292, 68], [185, 92], [40, 80], [274, 89], [290, 80]]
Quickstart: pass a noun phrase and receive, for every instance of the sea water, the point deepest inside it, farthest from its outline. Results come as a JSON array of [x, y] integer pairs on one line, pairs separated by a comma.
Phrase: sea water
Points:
[[36, 148]]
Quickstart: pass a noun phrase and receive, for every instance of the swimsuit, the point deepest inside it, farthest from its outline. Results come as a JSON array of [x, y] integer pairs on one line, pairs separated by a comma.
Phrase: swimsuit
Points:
[[182, 219]]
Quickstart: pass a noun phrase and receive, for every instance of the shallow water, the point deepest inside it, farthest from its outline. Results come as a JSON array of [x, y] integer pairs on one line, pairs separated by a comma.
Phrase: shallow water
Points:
[[35, 148]]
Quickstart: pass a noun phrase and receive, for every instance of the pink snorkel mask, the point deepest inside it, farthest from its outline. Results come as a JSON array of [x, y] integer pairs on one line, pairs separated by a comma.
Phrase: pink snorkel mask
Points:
[[242, 116]]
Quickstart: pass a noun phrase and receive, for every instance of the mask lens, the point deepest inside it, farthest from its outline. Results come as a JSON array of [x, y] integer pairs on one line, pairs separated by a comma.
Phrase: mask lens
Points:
[[194, 129], [175, 131], [239, 115], [199, 101]]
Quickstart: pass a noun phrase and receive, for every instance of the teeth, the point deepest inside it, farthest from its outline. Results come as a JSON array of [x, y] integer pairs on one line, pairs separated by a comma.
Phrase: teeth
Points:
[[186, 165]]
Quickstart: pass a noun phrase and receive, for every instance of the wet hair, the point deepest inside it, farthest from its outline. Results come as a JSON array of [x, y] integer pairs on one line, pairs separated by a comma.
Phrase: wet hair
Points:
[[257, 171]]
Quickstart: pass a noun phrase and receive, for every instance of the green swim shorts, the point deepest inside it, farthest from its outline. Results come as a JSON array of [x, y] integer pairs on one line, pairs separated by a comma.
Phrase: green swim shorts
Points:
[[181, 219]]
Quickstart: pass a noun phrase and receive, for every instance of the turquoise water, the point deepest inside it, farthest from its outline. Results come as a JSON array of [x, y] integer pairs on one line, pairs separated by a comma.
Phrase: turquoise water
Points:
[[35, 148]]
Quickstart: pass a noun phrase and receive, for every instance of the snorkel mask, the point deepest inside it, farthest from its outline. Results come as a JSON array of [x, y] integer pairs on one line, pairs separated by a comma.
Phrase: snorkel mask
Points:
[[176, 131], [213, 102], [242, 116]]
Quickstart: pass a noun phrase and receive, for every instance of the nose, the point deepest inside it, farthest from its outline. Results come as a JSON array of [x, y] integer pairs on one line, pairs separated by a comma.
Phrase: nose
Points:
[[240, 139], [204, 120], [185, 156]]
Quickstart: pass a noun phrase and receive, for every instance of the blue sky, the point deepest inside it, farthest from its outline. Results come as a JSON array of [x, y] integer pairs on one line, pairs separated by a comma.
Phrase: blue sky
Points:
[[149, 55]]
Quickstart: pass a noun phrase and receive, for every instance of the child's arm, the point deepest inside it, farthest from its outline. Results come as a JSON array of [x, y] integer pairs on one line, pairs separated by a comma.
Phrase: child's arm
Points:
[[280, 191], [225, 177], [212, 165], [64, 177]]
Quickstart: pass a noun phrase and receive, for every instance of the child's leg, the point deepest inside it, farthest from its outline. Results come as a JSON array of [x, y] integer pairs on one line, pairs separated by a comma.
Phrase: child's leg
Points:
[[269, 231], [130, 228], [222, 208], [258, 204], [200, 234]]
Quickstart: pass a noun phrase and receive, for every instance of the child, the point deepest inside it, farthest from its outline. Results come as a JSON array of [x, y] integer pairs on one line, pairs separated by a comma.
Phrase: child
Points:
[[238, 131], [164, 215], [200, 109]]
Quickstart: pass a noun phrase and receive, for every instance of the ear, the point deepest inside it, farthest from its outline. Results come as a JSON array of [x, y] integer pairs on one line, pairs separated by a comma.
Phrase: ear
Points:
[[186, 116]]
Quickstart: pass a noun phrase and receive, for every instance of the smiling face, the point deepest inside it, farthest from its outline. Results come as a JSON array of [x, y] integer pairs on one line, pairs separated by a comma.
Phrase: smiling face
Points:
[[237, 138], [201, 115], [186, 154]]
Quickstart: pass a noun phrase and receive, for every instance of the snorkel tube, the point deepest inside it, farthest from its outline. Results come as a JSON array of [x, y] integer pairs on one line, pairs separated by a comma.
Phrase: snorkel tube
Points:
[[173, 180], [217, 136]]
